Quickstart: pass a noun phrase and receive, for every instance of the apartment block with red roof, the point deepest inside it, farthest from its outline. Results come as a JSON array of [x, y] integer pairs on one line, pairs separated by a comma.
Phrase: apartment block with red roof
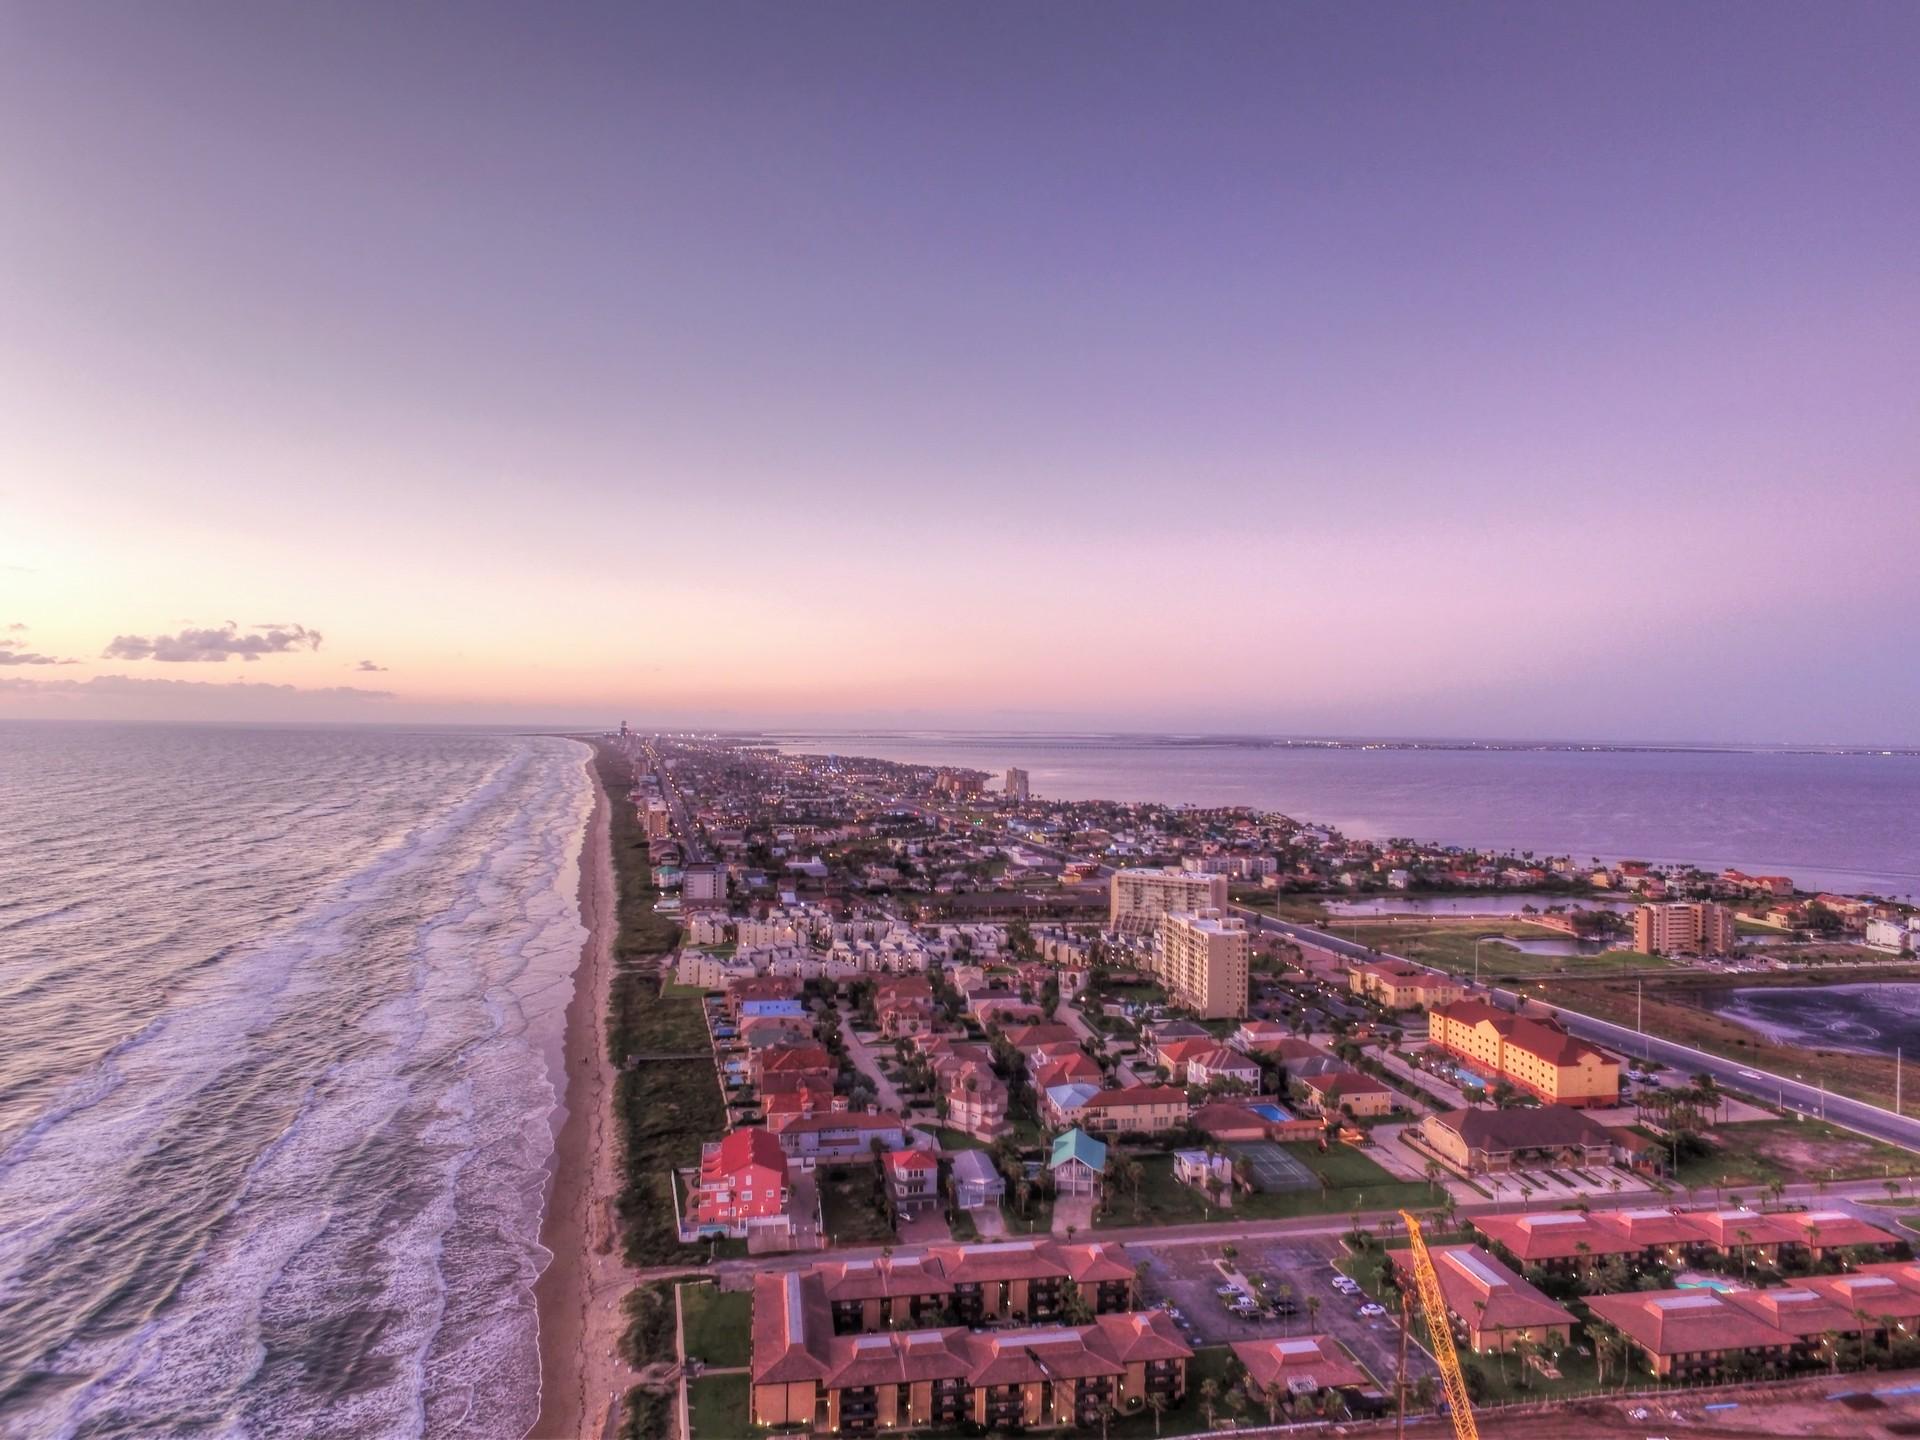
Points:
[[1493, 1307], [808, 1370], [1299, 1365]]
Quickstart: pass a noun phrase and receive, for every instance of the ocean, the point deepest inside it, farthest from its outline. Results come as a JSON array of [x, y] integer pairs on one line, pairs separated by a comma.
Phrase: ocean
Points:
[[1842, 822], [282, 1023]]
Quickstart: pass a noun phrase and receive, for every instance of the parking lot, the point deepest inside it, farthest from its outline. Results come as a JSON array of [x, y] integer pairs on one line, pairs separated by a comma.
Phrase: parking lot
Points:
[[1186, 1277]]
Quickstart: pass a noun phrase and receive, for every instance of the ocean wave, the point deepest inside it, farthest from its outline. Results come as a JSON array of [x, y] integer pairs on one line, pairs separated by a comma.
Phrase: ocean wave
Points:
[[314, 1174]]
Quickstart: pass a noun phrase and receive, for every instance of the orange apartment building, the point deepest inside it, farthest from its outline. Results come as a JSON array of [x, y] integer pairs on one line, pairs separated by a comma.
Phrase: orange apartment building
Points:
[[854, 1347], [1537, 1056]]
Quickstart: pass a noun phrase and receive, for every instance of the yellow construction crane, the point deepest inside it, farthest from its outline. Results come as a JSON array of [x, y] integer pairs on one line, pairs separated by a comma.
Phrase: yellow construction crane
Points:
[[1440, 1331]]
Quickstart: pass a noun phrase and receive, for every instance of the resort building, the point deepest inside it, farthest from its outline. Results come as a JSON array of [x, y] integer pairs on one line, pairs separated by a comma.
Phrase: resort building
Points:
[[1537, 1056], [1298, 1367], [1480, 1141], [1567, 1242], [1018, 785], [1490, 1305], [1691, 1333], [1202, 957], [1399, 985], [1682, 927], [1138, 898], [808, 1372]]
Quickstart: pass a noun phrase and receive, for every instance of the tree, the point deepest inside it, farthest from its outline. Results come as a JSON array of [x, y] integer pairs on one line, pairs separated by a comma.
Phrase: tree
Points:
[[1209, 1399], [1157, 1403]]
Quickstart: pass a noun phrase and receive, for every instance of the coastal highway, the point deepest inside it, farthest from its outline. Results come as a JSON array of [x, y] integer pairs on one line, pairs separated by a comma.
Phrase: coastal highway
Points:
[[1774, 1087]]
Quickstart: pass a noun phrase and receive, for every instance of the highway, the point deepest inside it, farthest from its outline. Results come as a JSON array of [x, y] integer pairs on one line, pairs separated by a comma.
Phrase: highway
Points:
[[1737, 1077]]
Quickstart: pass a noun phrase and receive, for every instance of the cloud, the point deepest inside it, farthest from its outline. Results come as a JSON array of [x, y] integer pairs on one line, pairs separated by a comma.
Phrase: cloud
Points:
[[214, 645], [17, 625], [367, 667], [12, 654], [146, 685]]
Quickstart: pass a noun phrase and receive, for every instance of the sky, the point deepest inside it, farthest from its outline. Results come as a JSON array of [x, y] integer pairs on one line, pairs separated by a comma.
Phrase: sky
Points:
[[1425, 369]]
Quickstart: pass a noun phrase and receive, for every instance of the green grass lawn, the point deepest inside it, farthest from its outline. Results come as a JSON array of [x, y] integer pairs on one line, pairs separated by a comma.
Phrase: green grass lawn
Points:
[[1352, 1181], [718, 1324], [719, 1407], [1792, 1151], [850, 1208], [1449, 944], [954, 1139], [1502, 1377], [674, 990]]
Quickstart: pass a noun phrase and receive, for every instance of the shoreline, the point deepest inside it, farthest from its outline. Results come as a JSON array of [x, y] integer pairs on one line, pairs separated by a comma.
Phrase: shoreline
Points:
[[989, 751], [578, 1296]]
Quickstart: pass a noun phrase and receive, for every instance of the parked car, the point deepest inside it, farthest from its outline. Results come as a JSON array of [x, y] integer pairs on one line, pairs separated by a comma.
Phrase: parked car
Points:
[[1370, 1311]]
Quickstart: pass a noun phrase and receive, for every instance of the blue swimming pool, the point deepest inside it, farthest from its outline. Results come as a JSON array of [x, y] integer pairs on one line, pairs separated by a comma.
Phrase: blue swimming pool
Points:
[[1271, 1112]]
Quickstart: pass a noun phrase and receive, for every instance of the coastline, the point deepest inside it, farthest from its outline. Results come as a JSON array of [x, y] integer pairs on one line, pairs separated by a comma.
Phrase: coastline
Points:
[[578, 1296]]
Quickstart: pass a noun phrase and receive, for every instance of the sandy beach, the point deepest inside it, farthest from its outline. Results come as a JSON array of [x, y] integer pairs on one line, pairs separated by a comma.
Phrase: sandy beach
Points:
[[579, 1294]]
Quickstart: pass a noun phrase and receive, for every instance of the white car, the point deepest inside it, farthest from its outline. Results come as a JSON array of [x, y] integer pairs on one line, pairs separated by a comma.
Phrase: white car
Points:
[[1370, 1311]]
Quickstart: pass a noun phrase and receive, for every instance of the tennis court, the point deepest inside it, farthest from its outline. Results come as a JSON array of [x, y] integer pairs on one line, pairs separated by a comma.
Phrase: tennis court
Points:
[[1274, 1171]]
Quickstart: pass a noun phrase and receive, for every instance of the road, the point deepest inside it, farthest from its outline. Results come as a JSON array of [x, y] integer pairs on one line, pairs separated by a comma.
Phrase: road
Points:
[[1732, 1075]]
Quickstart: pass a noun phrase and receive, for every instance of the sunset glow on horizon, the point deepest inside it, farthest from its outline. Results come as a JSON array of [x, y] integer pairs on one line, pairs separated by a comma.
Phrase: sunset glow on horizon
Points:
[[1395, 371]]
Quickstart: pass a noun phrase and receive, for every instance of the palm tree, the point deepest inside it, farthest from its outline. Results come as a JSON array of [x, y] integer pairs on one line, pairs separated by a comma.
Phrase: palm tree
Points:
[[1745, 1237], [1777, 1188], [1209, 1398], [1313, 1313], [1157, 1403]]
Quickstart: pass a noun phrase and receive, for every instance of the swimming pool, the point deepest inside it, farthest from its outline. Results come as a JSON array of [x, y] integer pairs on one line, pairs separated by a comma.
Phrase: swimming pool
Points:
[[1271, 1112]]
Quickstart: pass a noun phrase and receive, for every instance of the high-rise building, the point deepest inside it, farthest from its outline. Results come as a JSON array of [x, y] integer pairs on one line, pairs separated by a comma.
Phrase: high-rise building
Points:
[[1016, 786], [1202, 957], [655, 819], [1138, 898], [1683, 927]]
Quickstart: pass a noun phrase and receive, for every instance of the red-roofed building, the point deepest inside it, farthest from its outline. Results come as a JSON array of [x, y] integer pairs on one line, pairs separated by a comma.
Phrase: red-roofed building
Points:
[[821, 1359], [1493, 1307], [1302, 1365], [807, 1059], [1537, 1056], [840, 1137], [742, 1187]]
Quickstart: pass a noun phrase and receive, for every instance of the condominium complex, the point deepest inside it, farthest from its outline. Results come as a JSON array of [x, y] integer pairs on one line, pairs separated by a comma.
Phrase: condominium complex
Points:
[[1016, 786], [1683, 928], [1201, 956], [1399, 985], [1538, 1056], [1138, 898]]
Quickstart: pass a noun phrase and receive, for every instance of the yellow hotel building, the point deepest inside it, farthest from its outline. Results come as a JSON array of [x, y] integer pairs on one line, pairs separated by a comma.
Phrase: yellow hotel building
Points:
[[1535, 1055]]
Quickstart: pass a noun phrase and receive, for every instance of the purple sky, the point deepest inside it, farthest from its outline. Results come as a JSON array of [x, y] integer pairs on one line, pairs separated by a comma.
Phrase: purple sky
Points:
[[1432, 369]]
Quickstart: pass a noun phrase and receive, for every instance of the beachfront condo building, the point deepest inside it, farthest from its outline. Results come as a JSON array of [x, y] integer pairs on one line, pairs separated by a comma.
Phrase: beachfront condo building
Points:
[[1138, 898], [1202, 957], [1683, 928], [1017, 786]]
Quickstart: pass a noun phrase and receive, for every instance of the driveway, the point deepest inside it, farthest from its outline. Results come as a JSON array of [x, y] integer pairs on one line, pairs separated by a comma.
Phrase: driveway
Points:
[[864, 1060]]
